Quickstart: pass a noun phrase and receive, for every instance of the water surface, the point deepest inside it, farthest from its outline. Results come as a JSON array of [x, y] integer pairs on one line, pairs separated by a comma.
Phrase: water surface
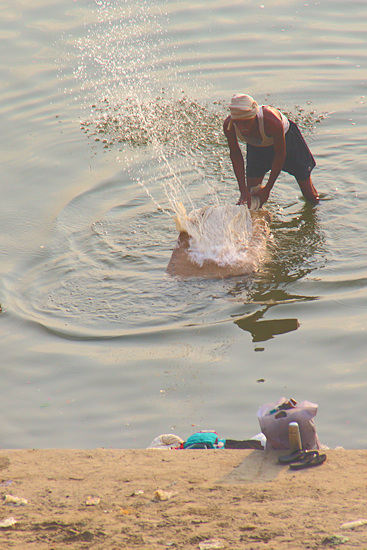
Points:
[[111, 111]]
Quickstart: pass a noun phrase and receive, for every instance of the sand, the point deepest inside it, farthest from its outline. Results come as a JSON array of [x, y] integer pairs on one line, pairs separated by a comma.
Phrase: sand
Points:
[[107, 499]]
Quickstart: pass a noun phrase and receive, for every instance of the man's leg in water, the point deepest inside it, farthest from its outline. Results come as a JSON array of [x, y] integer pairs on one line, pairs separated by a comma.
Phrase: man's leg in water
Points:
[[308, 190]]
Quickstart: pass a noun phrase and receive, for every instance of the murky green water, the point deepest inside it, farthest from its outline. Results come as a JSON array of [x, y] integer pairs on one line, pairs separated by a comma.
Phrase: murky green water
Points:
[[111, 110]]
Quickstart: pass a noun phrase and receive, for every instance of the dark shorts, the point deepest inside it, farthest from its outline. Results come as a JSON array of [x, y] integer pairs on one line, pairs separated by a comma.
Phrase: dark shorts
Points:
[[298, 161]]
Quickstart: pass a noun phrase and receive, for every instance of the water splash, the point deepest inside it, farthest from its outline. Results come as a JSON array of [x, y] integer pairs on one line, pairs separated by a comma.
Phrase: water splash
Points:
[[220, 234], [121, 47], [182, 123], [219, 242], [123, 60]]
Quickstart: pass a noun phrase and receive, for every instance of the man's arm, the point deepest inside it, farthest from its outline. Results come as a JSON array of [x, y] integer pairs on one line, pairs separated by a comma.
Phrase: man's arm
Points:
[[276, 167], [237, 162], [273, 128]]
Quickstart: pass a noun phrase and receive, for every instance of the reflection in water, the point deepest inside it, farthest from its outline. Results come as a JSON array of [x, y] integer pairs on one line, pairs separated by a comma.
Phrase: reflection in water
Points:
[[298, 246], [297, 251], [262, 330], [104, 276]]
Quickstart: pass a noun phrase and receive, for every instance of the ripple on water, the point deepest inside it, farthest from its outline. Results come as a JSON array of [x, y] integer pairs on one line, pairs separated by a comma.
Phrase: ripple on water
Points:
[[104, 273]]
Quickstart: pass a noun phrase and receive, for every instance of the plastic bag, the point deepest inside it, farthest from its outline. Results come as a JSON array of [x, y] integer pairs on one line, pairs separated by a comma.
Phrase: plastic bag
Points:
[[275, 417], [166, 441]]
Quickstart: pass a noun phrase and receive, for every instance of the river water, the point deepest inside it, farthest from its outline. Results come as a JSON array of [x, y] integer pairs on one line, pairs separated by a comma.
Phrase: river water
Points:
[[110, 112]]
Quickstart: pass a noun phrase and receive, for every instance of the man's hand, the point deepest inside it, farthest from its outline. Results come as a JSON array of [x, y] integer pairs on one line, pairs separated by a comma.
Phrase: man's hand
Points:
[[245, 198], [261, 192]]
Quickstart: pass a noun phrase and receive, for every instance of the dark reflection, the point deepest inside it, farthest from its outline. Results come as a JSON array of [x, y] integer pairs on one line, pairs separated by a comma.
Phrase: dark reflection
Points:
[[298, 246], [296, 250], [262, 329]]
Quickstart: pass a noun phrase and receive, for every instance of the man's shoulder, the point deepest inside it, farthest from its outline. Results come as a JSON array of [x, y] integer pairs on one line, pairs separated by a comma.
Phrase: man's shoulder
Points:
[[271, 112], [273, 120]]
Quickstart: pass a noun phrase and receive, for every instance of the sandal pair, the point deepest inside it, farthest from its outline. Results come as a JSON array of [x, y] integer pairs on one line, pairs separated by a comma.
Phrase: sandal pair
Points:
[[299, 460]]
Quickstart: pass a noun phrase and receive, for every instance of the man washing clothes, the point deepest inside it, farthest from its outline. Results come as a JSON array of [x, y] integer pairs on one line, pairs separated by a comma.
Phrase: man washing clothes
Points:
[[272, 143]]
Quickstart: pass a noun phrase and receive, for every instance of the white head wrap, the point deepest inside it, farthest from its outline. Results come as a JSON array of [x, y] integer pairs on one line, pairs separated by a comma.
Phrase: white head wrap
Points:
[[243, 106]]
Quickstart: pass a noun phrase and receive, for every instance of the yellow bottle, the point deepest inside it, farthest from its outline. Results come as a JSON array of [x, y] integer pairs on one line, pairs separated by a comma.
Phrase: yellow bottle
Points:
[[295, 443]]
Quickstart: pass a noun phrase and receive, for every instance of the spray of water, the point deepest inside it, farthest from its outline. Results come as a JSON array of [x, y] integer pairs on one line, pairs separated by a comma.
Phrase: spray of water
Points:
[[217, 233], [124, 58]]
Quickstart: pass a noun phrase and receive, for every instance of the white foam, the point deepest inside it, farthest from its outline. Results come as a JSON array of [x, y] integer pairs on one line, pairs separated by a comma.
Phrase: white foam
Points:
[[221, 234]]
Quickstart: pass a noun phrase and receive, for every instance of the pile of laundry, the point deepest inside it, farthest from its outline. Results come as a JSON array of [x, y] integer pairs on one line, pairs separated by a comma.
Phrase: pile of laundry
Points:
[[274, 419], [206, 439]]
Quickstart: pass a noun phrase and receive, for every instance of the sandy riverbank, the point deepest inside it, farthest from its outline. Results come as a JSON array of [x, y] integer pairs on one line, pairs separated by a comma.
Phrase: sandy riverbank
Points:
[[105, 499]]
